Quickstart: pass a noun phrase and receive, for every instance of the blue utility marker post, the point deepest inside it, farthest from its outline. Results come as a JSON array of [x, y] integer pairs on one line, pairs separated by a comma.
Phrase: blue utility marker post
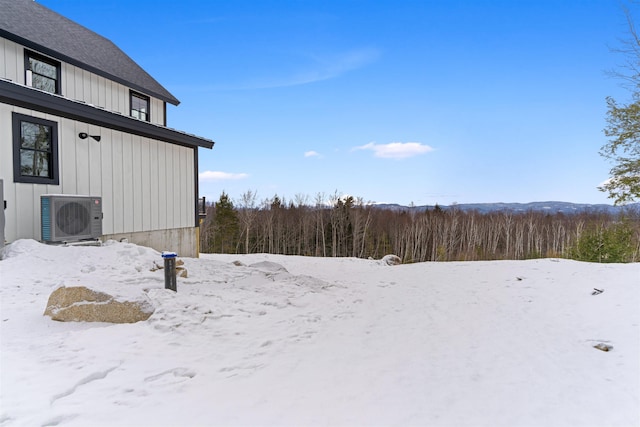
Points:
[[170, 270]]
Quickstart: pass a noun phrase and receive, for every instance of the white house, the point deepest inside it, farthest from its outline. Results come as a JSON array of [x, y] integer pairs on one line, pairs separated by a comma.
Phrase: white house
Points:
[[79, 117]]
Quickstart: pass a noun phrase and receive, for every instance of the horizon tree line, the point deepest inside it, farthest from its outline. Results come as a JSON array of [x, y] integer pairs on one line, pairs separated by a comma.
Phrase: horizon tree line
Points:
[[349, 227]]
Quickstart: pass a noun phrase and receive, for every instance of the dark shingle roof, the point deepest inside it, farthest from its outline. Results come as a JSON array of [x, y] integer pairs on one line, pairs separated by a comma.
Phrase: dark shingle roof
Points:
[[67, 41]]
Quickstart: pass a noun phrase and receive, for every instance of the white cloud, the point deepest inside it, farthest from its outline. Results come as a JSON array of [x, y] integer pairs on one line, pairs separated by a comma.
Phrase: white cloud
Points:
[[311, 153], [329, 67], [316, 68], [221, 176], [297, 69], [396, 150]]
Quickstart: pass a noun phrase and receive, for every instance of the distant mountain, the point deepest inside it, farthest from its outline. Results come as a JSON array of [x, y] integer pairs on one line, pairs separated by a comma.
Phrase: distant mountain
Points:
[[551, 207]]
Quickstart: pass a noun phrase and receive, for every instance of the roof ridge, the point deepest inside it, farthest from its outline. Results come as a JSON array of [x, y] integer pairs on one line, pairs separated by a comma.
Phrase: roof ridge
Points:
[[71, 42]]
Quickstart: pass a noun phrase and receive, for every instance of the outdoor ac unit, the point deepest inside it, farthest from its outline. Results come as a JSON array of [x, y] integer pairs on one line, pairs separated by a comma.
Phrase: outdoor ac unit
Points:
[[67, 218]]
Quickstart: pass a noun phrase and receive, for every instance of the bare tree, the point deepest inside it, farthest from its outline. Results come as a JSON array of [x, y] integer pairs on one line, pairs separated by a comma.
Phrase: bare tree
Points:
[[246, 214], [349, 227]]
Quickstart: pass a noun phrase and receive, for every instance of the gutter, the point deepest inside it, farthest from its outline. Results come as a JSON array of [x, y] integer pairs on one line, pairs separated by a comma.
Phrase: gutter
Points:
[[34, 99]]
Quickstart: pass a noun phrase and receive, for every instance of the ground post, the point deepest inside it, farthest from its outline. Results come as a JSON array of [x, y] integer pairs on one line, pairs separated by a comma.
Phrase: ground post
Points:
[[170, 281]]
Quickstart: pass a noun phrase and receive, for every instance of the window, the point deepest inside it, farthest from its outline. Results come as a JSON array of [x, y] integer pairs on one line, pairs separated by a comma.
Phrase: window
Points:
[[41, 72], [139, 106], [35, 150]]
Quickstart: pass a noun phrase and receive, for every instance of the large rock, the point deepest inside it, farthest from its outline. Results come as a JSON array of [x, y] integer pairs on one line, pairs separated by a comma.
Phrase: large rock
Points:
[[391, 260], [80, 304]]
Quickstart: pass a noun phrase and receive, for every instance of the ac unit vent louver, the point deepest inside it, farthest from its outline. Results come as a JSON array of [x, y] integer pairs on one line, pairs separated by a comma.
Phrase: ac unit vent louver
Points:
[[70, 218]]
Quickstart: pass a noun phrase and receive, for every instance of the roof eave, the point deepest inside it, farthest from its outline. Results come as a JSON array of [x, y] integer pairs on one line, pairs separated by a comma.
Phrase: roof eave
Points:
[[64, 58], [34, 99]]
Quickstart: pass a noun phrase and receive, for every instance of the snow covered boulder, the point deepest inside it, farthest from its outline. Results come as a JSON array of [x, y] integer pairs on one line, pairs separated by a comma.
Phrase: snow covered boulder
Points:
[[269, 267], [181, 270], [81, 304], [391, 260]]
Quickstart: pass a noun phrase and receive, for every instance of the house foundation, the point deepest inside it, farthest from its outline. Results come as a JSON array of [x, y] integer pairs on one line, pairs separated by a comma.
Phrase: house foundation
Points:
[[183, 241]]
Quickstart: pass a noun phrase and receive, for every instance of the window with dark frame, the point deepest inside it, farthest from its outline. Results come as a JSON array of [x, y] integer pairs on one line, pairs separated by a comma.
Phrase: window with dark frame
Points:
[[41, 72], [35, 150], [139, 106]]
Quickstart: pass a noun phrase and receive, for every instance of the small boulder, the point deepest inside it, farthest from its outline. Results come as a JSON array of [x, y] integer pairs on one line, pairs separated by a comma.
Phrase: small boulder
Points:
[[391, 260], [81, 304], [603, 347], [156, 267], [268, 266], [181, 270]]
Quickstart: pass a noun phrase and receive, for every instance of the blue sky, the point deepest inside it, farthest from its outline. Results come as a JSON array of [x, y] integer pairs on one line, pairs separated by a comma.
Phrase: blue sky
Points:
[[397, 101]]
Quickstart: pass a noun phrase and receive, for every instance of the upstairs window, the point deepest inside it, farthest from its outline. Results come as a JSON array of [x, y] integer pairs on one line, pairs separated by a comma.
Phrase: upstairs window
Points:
[[41, 72], [139, 106], [35, 150]]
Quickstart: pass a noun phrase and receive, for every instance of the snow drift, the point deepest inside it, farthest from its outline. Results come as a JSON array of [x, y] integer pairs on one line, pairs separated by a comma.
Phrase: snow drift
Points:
[[278, 340]]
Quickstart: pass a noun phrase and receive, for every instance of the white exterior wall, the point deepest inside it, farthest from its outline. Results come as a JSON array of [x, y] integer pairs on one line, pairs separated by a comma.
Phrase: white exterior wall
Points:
[[145, 184], [78, 84], [9, 67]]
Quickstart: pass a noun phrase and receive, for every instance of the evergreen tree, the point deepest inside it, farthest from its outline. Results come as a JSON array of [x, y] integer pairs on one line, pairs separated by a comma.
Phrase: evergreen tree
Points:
[[226, 226], [623, 149], [623, 128]]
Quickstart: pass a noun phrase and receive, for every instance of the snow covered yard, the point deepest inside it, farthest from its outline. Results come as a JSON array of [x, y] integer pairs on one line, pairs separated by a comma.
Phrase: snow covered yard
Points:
[[281, 340]]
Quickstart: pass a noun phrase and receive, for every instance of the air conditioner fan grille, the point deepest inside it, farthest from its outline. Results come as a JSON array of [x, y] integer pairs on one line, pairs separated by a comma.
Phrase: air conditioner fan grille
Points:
[[73, 218]]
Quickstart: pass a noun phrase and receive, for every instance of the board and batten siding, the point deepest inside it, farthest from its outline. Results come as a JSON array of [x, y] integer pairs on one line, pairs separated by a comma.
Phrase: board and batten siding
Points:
[[9, 67], [78, 84], [145, 184]]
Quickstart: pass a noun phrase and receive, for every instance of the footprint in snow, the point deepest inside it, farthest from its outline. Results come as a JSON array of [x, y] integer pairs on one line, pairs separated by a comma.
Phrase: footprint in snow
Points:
[[182, 374]]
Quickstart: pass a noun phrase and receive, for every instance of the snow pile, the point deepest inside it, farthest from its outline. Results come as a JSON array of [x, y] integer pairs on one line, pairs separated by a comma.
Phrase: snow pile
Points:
[[277, 340]]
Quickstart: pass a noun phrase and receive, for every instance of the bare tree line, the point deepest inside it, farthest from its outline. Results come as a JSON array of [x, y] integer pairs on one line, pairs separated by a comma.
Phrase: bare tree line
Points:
[[348, 227]]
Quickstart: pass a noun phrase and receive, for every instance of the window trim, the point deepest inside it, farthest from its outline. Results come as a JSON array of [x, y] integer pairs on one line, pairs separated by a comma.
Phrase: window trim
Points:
[[164, 114], [27, 67], [139, 95], [53, 178]]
